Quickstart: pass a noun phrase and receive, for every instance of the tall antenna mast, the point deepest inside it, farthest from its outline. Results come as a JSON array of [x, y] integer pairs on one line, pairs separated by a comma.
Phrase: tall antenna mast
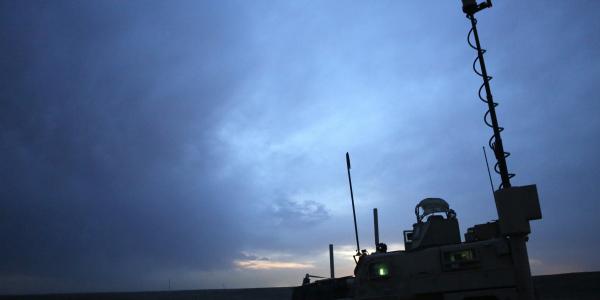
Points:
[[352, 197], [470, 7], [516, 206]]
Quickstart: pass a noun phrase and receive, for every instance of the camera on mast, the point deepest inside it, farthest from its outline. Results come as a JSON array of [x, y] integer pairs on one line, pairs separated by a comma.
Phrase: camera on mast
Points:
[[470, 7]]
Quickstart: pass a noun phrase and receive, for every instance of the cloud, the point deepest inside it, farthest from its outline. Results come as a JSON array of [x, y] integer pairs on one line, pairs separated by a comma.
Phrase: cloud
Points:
[[106, 141], [281, 262], [271, 265], [246, 256], [141, 141], [298, 213]]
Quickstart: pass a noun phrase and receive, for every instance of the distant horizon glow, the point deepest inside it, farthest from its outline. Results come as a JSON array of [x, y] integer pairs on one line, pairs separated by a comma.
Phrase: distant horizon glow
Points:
[[270, 265]]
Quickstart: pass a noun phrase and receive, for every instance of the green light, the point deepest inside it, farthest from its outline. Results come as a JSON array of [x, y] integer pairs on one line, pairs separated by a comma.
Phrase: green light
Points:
[[379, 270]]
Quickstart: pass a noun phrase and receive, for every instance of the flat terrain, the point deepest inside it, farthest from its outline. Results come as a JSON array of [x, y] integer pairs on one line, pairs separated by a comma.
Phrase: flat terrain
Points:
[[580, 286], [230, 294], [568, 286]]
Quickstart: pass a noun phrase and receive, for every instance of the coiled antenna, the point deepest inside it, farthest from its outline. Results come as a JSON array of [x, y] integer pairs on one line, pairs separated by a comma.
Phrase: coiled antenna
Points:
[[489, 118]]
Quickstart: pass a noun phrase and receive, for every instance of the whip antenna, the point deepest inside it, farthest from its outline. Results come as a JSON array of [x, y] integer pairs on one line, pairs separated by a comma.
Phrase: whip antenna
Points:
[[352, 198]]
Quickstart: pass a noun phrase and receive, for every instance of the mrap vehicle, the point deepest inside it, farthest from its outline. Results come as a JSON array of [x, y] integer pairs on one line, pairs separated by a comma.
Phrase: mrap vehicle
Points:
[[492, 261]]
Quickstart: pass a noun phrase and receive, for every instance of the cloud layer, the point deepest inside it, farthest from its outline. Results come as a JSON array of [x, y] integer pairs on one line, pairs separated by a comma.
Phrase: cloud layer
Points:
[[204, 142]]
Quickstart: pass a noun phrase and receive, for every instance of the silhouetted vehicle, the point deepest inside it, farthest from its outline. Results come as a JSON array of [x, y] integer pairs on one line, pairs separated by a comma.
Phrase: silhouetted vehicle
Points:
[[491, 262]]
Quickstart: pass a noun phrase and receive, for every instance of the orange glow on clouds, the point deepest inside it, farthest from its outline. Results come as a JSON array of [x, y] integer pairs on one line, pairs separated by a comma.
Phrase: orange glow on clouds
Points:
[[270, 265]]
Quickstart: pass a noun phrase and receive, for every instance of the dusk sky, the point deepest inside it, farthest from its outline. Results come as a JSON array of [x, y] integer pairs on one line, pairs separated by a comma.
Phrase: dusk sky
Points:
[[203, 142]]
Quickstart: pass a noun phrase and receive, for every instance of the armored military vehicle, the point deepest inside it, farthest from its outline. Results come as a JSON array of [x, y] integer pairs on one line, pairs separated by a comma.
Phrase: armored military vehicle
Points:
[[491, 262]]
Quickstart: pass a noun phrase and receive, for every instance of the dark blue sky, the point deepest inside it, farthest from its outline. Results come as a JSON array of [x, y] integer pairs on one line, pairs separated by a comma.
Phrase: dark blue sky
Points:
[[203, 142]]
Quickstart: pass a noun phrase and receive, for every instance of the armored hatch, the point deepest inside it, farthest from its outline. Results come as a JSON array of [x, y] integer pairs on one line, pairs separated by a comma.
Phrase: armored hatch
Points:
[[436, 225]]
